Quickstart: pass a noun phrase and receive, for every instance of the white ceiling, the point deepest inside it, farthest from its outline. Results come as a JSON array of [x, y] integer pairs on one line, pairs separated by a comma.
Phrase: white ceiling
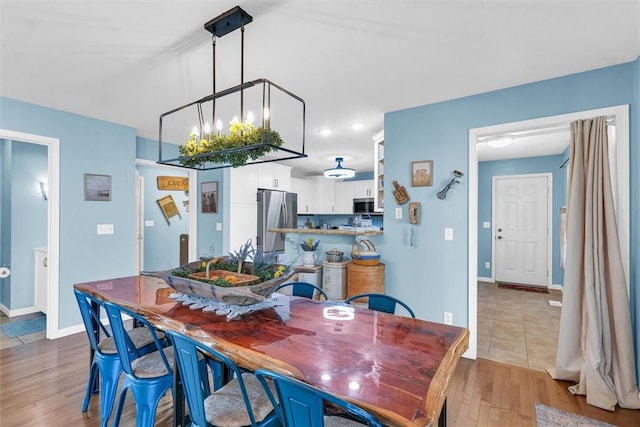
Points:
[[130, 61]]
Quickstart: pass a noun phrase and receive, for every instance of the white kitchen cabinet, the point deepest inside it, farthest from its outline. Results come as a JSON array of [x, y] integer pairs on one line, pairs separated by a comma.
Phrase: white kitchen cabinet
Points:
[[378, 171], [273, 176], [306, 191], [243, 221], [41, 279], [325, 195], [363, 189], [243, 184], [344, 197]]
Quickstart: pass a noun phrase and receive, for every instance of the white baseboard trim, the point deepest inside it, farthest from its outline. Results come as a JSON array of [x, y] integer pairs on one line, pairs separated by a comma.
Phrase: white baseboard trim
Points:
[[485, 279], [555, 287], [70, 330], [18, 312]]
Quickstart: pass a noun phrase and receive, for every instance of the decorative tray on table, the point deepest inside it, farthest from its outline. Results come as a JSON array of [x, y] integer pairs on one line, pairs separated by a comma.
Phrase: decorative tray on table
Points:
[[223, 286]]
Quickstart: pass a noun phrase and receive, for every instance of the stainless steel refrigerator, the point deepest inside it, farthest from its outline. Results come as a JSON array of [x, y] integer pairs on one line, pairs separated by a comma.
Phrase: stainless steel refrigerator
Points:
[[276, 209]]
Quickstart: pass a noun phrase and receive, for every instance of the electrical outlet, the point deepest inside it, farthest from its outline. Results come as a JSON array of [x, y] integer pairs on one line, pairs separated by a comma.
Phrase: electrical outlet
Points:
[[218, 226], [486, 224], [487, 265], [148, 223], [398, 213], [448, 318]]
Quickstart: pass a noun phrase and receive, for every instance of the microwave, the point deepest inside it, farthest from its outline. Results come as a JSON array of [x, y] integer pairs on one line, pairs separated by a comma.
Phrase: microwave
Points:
[[363, 206]]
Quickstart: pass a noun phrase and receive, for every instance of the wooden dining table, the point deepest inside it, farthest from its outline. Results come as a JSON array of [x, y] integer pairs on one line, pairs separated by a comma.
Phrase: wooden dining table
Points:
[[396, 367]]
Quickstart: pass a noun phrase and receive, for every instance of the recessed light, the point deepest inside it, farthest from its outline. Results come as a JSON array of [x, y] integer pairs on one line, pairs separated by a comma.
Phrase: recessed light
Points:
[[325, 131], [357, 125]]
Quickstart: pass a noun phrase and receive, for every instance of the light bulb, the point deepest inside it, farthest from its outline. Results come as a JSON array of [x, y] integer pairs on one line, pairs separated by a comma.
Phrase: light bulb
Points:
[[207, 128], [194, 131], [234, 120], [219, 126], [250, 117]]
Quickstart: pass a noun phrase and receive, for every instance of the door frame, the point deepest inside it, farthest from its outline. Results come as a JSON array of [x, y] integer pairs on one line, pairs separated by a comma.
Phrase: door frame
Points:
[[193, 204], [549, 177], [620, 113], [53, 226]]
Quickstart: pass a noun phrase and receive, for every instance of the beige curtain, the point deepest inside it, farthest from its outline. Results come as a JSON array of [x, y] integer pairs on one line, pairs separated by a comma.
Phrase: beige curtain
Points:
[[595, 345]]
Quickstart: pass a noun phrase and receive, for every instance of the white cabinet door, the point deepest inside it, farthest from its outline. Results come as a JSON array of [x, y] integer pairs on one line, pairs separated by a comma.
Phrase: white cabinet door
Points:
[[243, 224], [306, 191], [272, 176], [325, 195], [42, 281], [344, 197], [243, 184], [363, 189]]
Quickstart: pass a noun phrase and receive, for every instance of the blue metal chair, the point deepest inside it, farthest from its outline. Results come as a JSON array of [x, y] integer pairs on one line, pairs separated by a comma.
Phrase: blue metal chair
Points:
[[303, 289], [105, 361], [148, 376], [382, 302], [239, 402], [303, 405]]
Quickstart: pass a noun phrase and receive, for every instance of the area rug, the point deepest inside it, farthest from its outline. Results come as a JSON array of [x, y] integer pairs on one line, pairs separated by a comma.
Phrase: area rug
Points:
[[517, 287], [25, 327], [552, 417]]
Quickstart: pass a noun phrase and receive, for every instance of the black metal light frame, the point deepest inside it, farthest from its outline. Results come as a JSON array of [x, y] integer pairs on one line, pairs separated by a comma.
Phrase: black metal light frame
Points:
[[227, 22]]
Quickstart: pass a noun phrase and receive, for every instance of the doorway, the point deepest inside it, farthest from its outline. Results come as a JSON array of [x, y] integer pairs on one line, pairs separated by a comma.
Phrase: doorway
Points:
[[620, 166], [52, 228]]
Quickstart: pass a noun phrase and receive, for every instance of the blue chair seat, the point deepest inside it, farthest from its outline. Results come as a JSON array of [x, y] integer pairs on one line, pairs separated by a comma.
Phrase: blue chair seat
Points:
[[303, 289], [381, 302]]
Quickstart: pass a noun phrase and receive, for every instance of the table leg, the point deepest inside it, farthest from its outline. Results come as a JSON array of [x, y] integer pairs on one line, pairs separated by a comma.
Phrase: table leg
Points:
[[442, 421]]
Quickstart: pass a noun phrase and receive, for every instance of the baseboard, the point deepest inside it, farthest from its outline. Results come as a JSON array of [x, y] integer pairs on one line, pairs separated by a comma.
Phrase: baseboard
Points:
[[70, 331], [18, 312], [485, 279], [556, 287]]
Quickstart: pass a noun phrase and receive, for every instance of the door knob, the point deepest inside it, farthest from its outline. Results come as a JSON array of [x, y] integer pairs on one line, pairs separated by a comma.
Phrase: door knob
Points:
[[499, 237], [499, 229]]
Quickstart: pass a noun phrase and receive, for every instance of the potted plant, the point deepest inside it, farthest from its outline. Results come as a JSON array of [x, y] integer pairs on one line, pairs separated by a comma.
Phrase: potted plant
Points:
[[309, 255]]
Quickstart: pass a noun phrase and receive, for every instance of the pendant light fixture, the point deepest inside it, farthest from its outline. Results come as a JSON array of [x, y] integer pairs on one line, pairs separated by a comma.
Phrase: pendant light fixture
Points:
[[279, 133], [339, 171]]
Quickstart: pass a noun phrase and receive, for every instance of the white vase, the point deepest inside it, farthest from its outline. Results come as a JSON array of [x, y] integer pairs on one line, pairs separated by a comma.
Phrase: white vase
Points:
[[309, 258]]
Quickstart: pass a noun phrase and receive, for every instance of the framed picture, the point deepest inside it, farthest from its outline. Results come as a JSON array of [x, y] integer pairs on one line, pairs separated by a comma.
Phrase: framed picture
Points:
[[209, 198], [422, 173], [97, 187]]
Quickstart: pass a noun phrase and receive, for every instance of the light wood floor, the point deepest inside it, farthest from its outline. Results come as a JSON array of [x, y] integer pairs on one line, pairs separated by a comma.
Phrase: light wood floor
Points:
[[42, 383]]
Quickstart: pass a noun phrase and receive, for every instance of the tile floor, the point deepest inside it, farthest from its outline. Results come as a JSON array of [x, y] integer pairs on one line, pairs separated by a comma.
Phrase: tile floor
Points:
[[6, 342], [518, 327]]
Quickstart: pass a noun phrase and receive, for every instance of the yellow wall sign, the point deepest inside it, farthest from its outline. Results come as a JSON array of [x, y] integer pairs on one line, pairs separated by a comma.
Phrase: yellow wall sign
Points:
[[180, 183]]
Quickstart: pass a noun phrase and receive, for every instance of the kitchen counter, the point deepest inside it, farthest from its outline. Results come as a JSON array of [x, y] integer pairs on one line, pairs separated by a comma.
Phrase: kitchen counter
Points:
[[326, 231]]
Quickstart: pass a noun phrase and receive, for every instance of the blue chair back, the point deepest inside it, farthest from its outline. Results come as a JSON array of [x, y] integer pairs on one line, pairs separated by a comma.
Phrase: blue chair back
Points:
[[382, 302], [303, 405], [90, 312], [303, 289], [126, 349], [187, 355]]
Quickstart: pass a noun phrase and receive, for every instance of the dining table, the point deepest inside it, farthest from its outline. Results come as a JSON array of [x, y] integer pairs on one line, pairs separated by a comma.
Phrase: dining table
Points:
[[398, 368]]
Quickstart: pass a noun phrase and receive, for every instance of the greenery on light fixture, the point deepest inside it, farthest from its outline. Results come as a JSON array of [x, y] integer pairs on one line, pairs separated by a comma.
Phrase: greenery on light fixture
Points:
[[234, 149]]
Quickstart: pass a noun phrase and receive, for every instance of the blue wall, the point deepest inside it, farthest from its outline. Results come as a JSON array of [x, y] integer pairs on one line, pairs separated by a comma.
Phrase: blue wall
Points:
[[86, 146], [486, 172], [433, 274]]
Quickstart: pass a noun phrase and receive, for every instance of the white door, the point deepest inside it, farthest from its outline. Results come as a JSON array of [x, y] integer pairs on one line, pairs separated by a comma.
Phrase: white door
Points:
[[521, 229]]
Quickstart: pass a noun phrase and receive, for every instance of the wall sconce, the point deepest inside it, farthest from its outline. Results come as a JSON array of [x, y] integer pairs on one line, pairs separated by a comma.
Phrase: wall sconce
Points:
[[442, 194], [44, 188]]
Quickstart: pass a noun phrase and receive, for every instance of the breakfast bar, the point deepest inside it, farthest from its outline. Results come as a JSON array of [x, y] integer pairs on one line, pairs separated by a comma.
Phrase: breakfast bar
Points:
[[398, 368]]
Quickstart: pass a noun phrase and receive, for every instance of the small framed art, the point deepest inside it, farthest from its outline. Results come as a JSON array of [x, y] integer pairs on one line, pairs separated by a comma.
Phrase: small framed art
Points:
[[97, 187], [209, 199], [422, 173]]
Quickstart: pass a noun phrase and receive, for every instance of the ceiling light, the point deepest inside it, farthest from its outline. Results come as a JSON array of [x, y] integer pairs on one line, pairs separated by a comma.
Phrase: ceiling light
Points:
[[250, 138], [357, 126], [325, 131], [339, 171], [500, 142]]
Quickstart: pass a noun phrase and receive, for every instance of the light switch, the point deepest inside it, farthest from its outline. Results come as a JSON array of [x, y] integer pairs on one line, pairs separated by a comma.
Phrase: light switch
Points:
[[218, 226], [105, 229], [448, 234], [398, 213], [486, 224], [148, 223]]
